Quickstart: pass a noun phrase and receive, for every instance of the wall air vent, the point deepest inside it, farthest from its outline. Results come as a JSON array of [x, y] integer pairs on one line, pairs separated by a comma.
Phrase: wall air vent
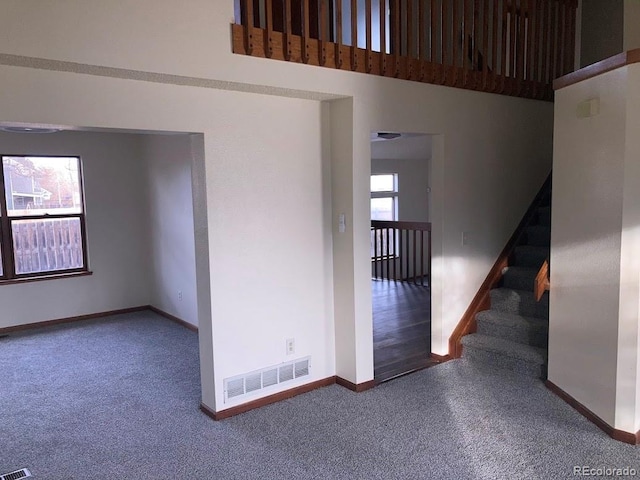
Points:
[[22, 473], [239, 385]]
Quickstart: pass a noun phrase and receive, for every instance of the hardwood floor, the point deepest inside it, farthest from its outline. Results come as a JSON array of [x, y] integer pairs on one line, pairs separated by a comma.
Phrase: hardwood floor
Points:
[[401, 328]]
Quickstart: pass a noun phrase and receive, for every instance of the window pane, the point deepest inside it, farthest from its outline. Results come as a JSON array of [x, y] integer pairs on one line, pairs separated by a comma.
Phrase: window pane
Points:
[[383, 208], [47, 245], [383, 183], [42, 185]]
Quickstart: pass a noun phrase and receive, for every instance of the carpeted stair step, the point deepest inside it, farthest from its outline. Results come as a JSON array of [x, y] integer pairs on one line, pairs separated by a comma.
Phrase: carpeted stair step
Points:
[[530, 256], [544, 216], [516, 328], [519, 278], [519, 302], [499, 353], [539, 235]]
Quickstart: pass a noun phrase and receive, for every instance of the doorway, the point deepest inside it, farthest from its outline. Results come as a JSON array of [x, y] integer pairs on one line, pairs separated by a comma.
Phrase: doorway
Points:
[[400, 253]]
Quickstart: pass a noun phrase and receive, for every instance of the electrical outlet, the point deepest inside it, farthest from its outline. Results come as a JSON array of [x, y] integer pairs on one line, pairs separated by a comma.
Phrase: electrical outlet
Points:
[[180, 295], [291, 346]]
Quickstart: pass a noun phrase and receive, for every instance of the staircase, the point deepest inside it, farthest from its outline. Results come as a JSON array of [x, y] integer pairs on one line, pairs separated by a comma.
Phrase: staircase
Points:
[[513, 333]]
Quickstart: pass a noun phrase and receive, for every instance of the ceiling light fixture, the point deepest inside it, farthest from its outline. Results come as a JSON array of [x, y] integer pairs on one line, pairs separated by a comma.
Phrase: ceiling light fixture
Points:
[[389, 135]]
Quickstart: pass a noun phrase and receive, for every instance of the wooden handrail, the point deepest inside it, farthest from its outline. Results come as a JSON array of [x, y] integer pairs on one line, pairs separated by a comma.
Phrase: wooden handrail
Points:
[[424, 226], [511, 47], [541, 284]]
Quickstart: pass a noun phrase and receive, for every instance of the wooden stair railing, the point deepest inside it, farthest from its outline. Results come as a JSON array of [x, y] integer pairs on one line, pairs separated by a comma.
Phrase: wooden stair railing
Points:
[[401, 251], [541, 284], [510, 47]]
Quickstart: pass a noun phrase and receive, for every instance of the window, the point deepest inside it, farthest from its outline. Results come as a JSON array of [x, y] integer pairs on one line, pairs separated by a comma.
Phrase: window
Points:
[[384, 206], [384, 197], [42, 223]]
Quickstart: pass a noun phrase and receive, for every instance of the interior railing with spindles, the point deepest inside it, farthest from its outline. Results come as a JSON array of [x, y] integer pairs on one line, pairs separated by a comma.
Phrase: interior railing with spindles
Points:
[[511, 47], [401, 251]]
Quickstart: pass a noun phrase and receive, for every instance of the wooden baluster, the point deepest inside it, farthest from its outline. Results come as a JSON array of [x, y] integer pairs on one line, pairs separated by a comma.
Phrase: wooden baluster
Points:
[[268, 31], [415, 240], [562, 37], [504, 46], [305, 33], [572, 35], [485, 46], [456, 35], [399, 254], [375, 252], [429, 257], [393, 251], [520, 55], [338, 53], [475, 58], [397, 47], [405, 254], [513, 21], [553, 40], [447, 71], [248, 26], [369, 26], [546, 55], [409, 53], [354, 34], [422, 40], [322, 33], [466, 67], [494, 46], [383, 38], [422, 257], [434, 28], [386, 251], [534, 43], [288, 33]]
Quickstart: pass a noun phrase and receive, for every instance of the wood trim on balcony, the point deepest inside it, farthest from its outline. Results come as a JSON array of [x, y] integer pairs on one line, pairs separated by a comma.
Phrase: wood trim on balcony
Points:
[[403, 67], [621, 60]]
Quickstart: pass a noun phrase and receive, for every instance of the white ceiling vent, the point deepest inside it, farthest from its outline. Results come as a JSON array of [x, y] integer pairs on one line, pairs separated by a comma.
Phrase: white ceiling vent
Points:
[[267, 377]]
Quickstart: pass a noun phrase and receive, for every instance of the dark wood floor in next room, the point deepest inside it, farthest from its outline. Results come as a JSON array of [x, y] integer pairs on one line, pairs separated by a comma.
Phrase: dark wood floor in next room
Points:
[[401, 328]]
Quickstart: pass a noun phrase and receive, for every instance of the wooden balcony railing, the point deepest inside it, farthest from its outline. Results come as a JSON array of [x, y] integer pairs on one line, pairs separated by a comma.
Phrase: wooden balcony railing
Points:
[[401, 251], [510, 47]]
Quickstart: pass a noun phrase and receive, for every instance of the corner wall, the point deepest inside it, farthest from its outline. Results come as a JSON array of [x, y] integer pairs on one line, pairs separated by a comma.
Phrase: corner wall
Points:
[[595, 260], [171, 248]]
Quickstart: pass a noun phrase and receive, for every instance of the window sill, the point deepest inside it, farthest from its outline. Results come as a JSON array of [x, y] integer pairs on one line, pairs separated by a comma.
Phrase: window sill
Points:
[[14, 281]]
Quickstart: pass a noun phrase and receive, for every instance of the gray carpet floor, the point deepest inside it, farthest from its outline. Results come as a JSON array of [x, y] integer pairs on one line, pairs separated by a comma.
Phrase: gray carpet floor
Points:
[[118, 398]]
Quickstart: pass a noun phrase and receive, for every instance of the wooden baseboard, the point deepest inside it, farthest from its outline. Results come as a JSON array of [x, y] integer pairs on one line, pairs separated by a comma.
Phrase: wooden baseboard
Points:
[[440, 358], [92, 316], [261, 402], [173, 318], [59, 321], [360, 387], [620, 435]]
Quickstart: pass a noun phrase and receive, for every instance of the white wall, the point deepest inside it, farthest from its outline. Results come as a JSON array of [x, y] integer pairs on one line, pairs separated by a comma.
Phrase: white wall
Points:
[[171, 247], [595, 274], [493, 153], [116, 231]]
